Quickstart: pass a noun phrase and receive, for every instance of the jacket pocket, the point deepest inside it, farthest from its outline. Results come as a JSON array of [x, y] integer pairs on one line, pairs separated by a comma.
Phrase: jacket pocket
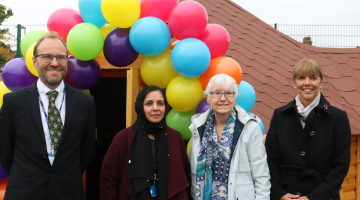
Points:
[[75, 181], [245, 192], [77, 125], [243, 178], [19, 182], [244, 186]]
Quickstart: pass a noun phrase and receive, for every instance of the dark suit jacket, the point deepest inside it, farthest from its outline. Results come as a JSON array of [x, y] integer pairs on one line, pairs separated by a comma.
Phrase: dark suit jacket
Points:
[[23, 153]]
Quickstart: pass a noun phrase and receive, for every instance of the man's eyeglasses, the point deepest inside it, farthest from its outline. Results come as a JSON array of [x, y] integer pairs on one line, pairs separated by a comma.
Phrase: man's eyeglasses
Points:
[[218, 94], [47, 58]]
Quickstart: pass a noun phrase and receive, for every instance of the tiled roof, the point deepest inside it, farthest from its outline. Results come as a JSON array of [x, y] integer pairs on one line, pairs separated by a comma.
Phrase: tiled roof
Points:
[[267, 57]]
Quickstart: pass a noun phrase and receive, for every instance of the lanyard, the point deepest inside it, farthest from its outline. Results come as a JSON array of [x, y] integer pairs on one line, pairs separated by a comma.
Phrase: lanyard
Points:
[[43, 109]]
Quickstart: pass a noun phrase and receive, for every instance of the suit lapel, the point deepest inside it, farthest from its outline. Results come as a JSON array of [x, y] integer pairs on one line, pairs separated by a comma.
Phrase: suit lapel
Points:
[[33, 102], [70, 102]]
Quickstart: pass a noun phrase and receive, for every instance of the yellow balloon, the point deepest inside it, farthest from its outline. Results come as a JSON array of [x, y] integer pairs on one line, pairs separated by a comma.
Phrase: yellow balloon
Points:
[[29, 60], [188, 147], [121, 13], [3, 90], [86, 91], [105, 30], [158, 70], [184, 94], [101, 54]]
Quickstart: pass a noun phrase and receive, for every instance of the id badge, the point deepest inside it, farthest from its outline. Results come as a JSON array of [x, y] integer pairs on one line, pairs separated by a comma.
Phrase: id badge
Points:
[[153, 190], [51, 158]]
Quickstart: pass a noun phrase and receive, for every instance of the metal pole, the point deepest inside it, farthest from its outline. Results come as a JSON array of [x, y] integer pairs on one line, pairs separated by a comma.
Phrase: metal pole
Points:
[[18, 51]]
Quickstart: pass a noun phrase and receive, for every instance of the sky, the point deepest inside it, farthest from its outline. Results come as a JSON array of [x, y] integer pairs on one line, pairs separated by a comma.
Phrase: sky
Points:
[[270, 11]]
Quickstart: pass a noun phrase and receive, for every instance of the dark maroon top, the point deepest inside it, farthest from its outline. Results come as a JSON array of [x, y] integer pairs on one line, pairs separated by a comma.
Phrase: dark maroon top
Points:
[[114, 183]]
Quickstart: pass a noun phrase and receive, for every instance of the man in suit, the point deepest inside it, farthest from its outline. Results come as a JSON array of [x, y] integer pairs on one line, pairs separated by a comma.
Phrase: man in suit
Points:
[[47, 138]]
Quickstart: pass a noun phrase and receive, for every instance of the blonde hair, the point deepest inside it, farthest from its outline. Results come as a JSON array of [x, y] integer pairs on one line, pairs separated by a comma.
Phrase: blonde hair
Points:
[[307, 67]]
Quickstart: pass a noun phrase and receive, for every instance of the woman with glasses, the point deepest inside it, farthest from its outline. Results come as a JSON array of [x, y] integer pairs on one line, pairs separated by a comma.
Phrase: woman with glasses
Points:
[[308, 142], [227, 154]]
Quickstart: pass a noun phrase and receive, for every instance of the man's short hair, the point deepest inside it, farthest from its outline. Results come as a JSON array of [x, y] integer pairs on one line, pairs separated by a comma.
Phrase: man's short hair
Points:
[[48, 36]]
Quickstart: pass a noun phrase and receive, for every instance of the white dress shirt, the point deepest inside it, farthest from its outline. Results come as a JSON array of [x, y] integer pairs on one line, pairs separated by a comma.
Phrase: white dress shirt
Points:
[[60, 99]]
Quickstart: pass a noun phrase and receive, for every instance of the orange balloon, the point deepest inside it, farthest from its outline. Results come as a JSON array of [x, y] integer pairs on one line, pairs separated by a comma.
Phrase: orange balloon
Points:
[[222, 65], [3, 188], [173, 44]]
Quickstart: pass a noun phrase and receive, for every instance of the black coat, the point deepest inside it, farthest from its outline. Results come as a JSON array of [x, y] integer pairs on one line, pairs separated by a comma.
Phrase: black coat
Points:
[[312, 161], [23, 153]]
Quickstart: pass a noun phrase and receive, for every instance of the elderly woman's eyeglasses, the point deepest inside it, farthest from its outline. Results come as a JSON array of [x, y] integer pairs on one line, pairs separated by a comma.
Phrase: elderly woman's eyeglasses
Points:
[[47, 58], [218, 94]]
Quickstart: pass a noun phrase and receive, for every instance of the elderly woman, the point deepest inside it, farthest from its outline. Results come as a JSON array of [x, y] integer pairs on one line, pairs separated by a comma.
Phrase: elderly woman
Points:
[[227, 154], [308, 142], [147, 160]]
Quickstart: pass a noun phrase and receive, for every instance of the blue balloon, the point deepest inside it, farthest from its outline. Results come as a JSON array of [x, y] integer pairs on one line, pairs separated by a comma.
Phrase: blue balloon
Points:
[[246, 97], [90, 11], [261, 124], [150, 36], [190, 57]]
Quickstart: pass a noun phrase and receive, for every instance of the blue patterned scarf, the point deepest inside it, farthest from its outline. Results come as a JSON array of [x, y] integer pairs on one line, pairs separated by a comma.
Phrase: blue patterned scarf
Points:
[[213, 162]]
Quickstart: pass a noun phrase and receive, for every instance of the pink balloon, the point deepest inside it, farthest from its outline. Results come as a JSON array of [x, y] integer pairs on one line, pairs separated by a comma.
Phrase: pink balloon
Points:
[[217, 39], [188, 20], [157, 8], [62, 20]]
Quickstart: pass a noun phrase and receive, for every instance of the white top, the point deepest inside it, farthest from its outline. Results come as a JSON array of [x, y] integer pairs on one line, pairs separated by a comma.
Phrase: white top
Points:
[[249, 175], [43, 89]]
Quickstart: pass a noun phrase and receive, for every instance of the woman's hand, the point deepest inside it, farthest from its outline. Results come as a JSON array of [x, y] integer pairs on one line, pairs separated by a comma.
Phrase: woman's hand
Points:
[[304, 198], [289, 196]]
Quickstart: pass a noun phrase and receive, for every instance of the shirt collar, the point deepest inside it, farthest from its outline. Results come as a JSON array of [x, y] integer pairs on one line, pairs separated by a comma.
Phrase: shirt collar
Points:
[[44, 89]]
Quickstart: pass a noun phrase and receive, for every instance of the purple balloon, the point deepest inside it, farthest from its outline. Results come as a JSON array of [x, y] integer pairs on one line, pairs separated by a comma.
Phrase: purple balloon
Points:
[[203, 106], [82, 74], [117, 48], [3, 175], [16, 75]]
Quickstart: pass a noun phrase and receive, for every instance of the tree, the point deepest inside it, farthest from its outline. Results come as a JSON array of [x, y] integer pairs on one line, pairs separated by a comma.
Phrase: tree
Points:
[[5, 35]]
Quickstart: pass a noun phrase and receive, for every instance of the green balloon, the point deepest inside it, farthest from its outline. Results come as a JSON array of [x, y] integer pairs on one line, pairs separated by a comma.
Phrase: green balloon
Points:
[[180, 121], [29, 39], [85, 41]]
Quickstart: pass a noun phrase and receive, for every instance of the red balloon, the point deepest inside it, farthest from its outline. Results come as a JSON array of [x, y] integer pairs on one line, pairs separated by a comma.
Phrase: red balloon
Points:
[[217, 39], [62, 20], [188, 20], [157, 8], [224, 65]]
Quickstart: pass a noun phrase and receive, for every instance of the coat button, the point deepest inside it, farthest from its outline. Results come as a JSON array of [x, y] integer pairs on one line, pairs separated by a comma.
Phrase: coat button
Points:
[[44, 155], [319, 114], [194, 133], [52, 175], [302, 153], [312, 133], [230, 183]]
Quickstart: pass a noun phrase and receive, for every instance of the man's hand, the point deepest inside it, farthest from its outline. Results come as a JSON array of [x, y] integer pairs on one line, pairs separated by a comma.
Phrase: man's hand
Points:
[[289, 196], [304, 198]]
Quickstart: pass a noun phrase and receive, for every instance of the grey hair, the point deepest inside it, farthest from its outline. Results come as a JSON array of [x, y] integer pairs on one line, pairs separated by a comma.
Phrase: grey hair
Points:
[[222, 80]]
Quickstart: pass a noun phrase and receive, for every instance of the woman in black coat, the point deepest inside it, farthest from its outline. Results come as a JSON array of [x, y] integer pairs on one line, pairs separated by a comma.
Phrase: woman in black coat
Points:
[[308, 142]]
